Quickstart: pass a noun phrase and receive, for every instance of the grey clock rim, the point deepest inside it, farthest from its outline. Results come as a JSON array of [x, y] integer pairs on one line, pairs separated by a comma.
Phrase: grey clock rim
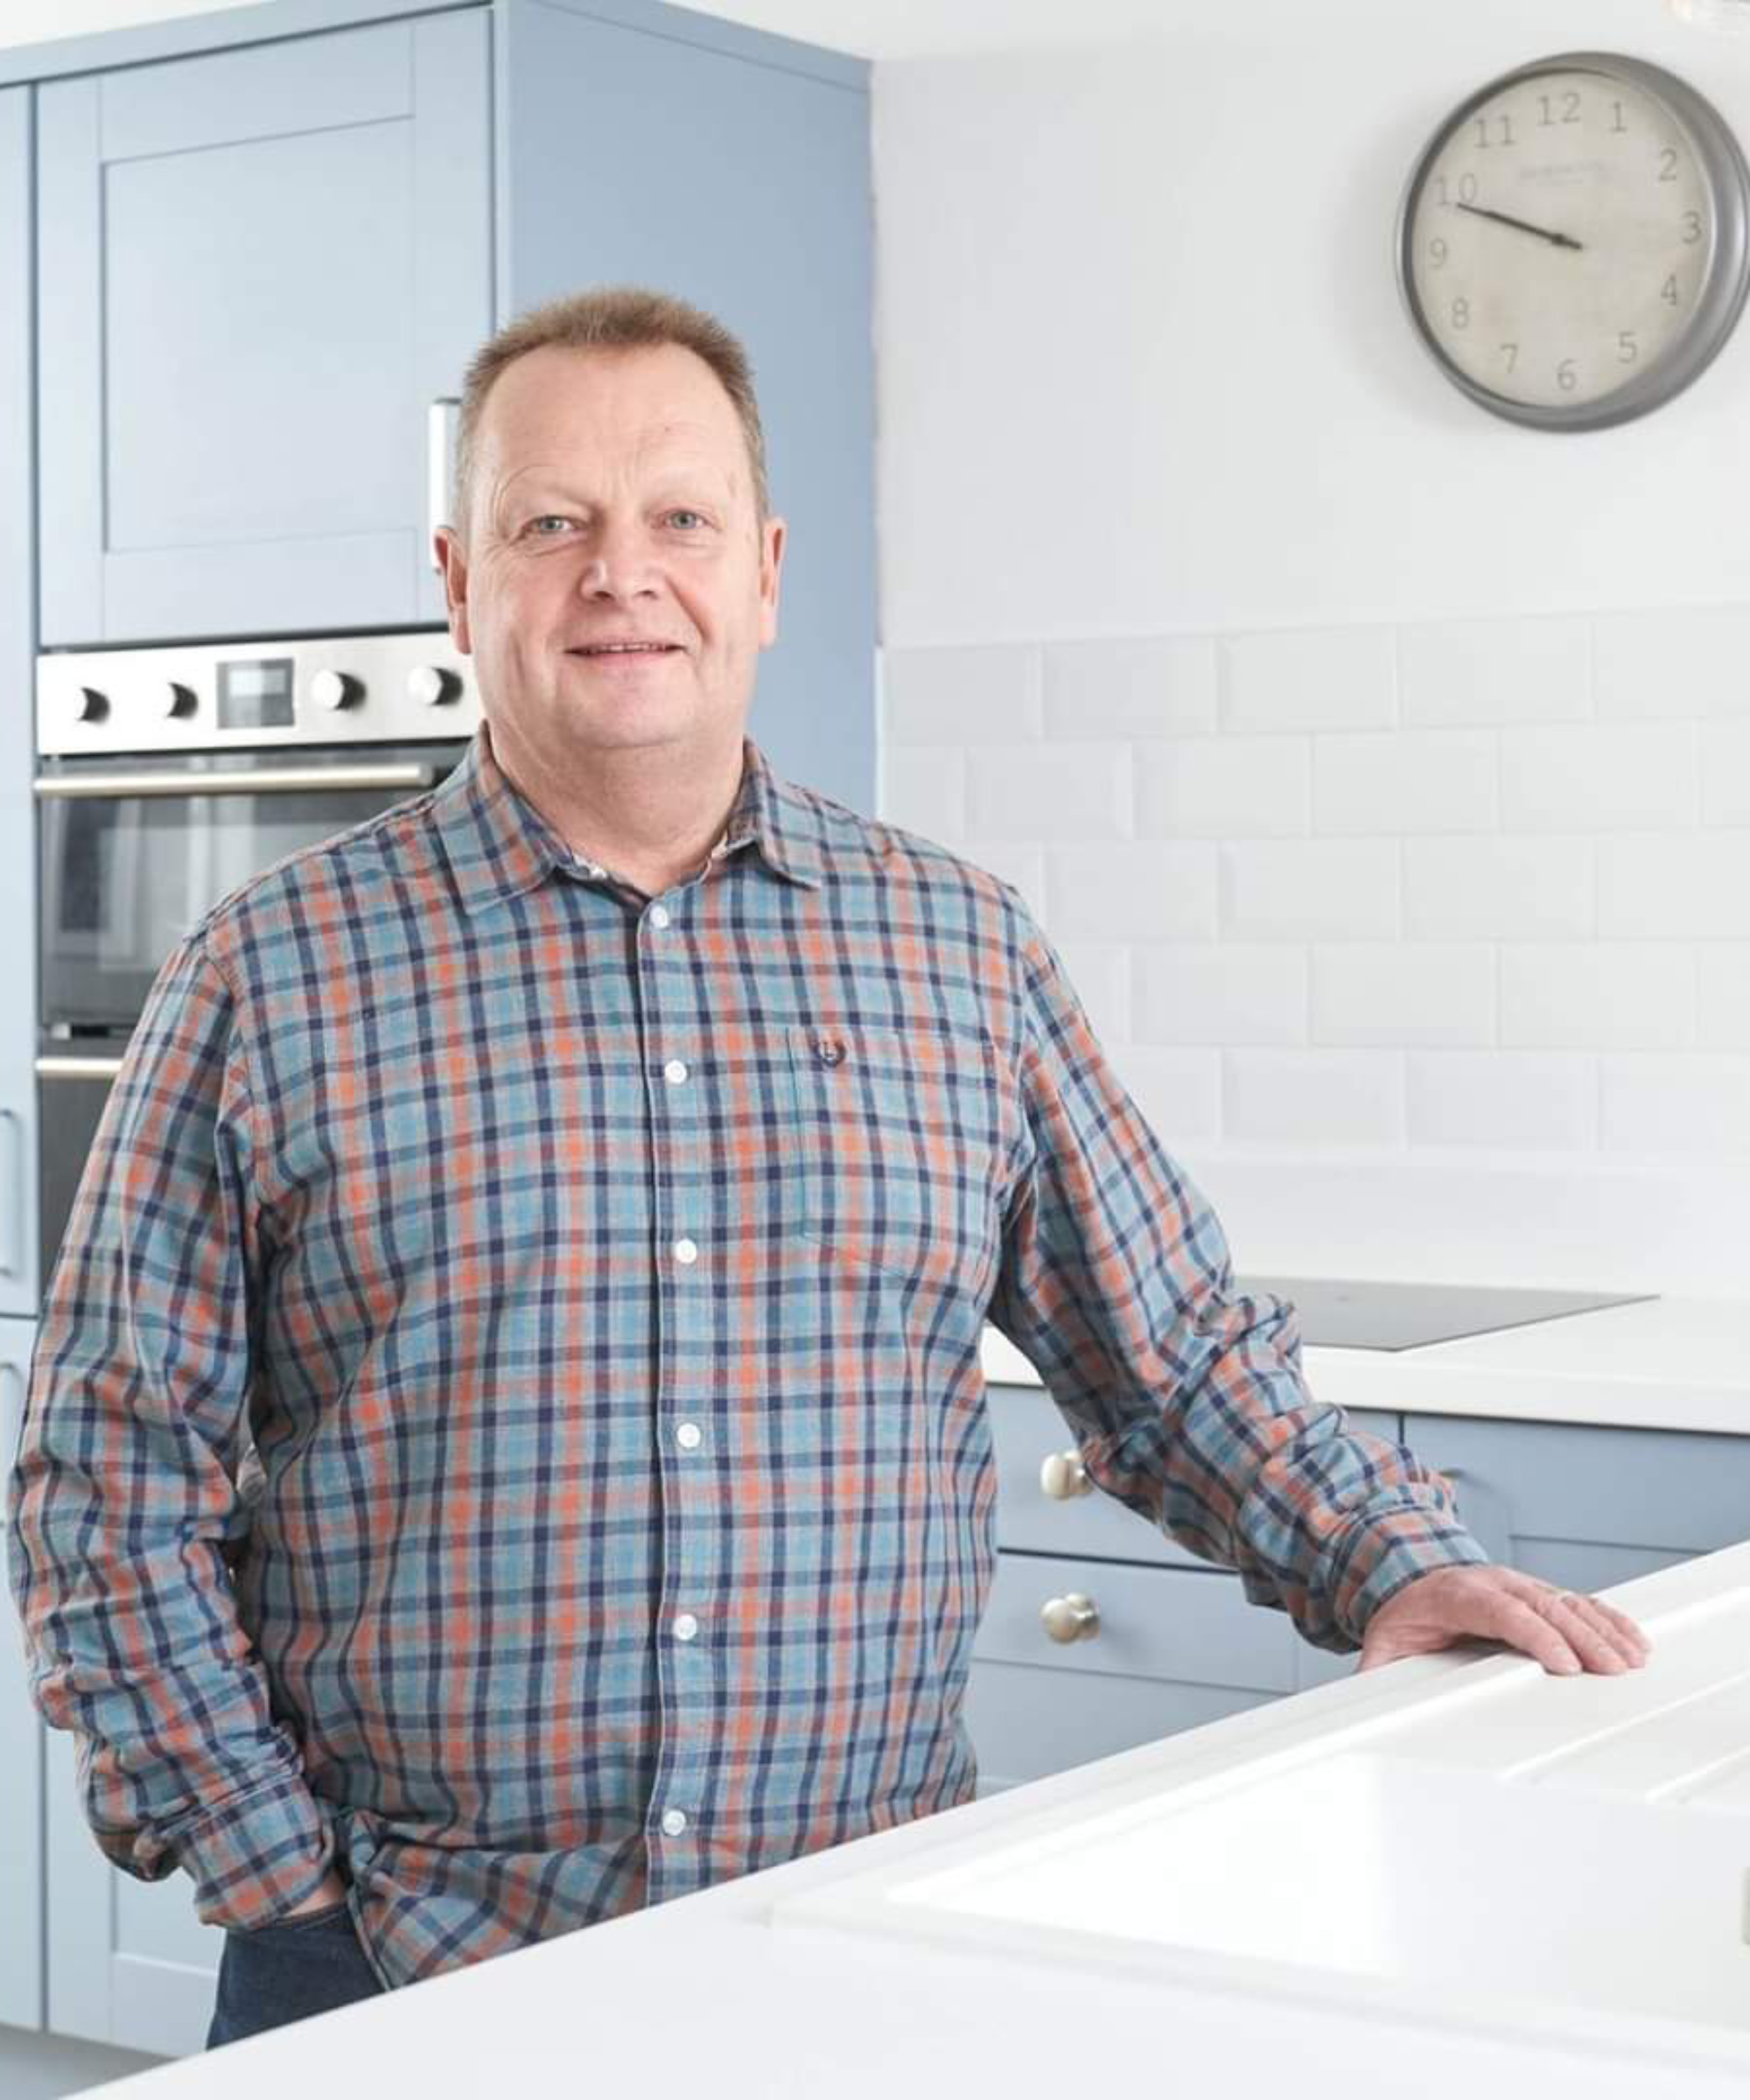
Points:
[[1727, 279]]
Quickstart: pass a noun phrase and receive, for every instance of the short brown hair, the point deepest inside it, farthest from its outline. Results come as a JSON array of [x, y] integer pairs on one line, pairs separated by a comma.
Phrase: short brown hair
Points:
[[611, 317]]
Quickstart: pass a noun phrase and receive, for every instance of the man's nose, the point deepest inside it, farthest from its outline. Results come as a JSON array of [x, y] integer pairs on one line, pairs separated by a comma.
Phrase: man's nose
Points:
[[619, 562]]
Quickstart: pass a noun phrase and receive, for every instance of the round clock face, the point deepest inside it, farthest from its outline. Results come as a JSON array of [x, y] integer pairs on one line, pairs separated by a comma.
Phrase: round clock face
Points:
[[1573, 243]]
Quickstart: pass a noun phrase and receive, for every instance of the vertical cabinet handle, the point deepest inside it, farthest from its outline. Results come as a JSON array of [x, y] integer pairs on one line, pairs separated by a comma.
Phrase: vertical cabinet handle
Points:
[[11, 1192], [440, 467], [11, 1425]]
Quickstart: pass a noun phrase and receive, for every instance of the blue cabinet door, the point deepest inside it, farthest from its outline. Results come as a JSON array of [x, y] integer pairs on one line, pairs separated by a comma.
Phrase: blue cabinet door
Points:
[[21, 1743], [732, 169], [17, 835], [260, 267]]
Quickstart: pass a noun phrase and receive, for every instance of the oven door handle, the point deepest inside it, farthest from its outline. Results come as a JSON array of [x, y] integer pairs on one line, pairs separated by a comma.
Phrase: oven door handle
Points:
[[78, 1067], [12, 1205], [286, 781]]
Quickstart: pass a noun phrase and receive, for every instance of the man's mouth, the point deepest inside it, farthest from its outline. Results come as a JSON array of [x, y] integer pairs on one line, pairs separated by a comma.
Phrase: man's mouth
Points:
[[623, 649]]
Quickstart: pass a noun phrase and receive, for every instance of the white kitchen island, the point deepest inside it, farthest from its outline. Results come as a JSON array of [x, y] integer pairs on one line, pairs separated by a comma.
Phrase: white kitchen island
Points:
[[1455, 1876]]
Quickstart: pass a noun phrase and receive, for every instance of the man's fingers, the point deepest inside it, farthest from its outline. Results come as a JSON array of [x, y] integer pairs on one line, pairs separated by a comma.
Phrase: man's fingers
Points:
[[1603, 1639], [1526, 1625]]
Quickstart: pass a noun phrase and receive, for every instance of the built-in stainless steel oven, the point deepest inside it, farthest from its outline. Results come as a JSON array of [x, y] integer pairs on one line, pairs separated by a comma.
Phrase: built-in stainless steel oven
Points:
[[167, 777]]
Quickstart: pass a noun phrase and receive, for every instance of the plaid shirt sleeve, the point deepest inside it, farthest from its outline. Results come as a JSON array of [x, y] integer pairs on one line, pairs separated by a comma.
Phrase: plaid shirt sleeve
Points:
[[125, 1497], [1187, 1402]]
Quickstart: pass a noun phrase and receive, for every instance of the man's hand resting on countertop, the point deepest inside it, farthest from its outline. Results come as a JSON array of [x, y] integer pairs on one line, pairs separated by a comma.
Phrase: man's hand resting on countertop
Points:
[[1564, 1630]]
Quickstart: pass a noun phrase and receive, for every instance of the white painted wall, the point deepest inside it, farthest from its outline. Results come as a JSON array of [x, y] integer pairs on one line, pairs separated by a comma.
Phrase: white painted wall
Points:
[[1381, 770]]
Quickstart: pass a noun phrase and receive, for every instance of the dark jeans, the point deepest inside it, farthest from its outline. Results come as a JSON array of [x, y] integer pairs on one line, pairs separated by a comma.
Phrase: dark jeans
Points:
[[279, 1973]]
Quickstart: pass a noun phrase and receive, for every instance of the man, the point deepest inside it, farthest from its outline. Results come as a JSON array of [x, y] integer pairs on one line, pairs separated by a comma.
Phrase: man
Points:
[[507, 1443]]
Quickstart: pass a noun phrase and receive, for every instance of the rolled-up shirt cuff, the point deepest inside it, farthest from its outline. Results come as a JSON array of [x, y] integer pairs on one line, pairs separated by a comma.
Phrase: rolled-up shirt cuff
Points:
[[1389, 1552], [256, 1855]]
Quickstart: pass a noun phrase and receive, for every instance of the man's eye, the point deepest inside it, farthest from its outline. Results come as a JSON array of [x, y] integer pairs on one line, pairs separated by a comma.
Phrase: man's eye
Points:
[[538, 526], [697, 517]]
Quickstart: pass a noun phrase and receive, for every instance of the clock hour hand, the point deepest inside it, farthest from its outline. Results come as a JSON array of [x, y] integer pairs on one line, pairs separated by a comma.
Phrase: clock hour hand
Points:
[[1478, 211]]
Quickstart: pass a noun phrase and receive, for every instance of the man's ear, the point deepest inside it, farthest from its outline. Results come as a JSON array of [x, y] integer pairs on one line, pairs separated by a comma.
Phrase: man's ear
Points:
[[772, 539], [453, 561]]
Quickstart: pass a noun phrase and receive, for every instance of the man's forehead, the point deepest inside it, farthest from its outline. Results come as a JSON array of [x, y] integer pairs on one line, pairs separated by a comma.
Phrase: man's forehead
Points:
[[666, 396]]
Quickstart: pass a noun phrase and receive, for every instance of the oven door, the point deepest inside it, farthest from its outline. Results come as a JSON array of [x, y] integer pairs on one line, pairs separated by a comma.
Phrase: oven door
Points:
[[135, 852]]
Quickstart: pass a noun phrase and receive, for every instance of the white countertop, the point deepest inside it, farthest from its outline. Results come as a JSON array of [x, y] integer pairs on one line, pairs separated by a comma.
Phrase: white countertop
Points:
[[1026, 1946], [1663, 1363]]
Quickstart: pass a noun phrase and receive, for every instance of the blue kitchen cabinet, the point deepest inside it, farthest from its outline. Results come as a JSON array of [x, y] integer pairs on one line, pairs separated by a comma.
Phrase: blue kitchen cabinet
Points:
[[645, 145], [17, 829], [1587, 1506], [265, 268], [21, 1740], [260, 267], [1177, 1643]]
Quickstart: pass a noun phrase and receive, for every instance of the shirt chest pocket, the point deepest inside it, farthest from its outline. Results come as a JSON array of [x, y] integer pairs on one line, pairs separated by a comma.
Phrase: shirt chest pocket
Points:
[[897, 1148]]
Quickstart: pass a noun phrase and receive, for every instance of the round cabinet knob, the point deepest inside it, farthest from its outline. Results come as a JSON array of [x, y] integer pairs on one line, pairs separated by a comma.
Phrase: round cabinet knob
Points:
[[1071, 1618], [431, 686], [333, 689], [172, 700], [85, 704], [1063, 1476]]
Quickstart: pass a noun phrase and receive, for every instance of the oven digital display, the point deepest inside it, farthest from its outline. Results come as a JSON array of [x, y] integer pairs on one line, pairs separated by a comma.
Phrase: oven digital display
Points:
[[256, 693]]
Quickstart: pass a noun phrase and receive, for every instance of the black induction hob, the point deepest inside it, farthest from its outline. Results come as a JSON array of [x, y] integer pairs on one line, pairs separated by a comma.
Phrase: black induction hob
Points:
[[1349, 1315]]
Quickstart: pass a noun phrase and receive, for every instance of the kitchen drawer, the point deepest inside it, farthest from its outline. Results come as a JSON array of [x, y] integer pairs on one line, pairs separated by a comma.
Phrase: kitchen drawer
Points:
[[1028, 1428], [1544, 1496], [1190, 1626], [1026, 1723]]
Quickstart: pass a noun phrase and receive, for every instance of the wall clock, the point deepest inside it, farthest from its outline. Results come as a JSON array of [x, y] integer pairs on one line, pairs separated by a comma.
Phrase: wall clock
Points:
[[1572, 245]]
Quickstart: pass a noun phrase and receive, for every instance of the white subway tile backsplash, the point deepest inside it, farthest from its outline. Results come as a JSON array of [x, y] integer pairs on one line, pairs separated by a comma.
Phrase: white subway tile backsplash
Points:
[[1495, 670], [1220, 993], [1599, 777], [1675, 887], [1402, 992], [1688, 664], [1481, 889], [1689, 1104], [1723, 993], [1401, 782], [1101, 976], [961, 696], [923, 789], [1314, 1097], [1726, 772], [1481, 885], [1511, 1101], [1141, 688], [1177, 1092], [1598, 996], [1224, 787], [1050, 791], [1310, 890], [1164, 890], [1318, 678]]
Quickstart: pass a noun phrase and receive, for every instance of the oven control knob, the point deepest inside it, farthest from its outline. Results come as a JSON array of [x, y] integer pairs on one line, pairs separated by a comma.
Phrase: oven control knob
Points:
[[431, 686], [333, 689], [173, 700], [86, 704]]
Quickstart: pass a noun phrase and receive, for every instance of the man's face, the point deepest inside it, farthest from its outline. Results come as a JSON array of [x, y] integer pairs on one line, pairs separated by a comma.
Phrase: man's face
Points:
[[612, 501]]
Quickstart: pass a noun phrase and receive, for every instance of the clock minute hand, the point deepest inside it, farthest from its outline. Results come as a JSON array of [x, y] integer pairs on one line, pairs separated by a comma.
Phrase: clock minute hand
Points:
[[1478, 211]]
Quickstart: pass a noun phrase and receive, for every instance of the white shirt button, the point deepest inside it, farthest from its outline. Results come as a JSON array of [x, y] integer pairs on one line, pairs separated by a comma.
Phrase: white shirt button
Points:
[[659, 916], [690, 1435], [674, 1071], [685, 1251], [672, 1822], [686, 1627]]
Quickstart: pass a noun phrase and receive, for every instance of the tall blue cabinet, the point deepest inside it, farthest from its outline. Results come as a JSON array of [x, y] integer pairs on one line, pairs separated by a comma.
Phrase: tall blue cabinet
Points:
[[267, 242]]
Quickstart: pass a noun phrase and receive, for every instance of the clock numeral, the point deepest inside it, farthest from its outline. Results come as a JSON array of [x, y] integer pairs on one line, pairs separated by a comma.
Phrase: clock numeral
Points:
[[1668, 293], [1668, 163], [1566, 378], [1618, 126], [1692, 229], [1510, 351], [1571, 107], [1571, 110], [1626, 349], [1461, 313], [1437, 253], [1506, 124], [1443, 195]]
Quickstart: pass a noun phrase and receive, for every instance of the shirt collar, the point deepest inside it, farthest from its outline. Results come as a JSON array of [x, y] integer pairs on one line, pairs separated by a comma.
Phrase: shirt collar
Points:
[[498, 845]]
